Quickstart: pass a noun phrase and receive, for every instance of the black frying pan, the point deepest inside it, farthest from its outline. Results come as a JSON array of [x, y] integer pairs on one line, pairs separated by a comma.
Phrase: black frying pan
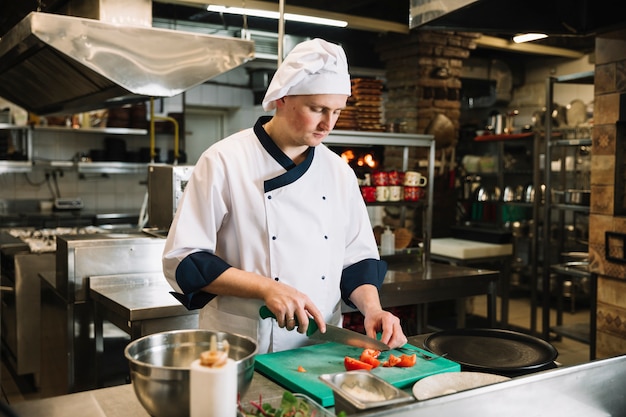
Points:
[[495, 351]]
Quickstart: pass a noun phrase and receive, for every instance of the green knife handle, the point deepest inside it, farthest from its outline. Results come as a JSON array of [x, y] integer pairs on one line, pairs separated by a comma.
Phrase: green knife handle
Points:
[[267, 313]]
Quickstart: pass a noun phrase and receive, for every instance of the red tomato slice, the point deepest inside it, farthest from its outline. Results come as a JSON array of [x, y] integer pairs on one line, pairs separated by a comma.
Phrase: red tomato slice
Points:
[[369, 356], [371, 352], [392, 361], [407, 361], [352, 364]]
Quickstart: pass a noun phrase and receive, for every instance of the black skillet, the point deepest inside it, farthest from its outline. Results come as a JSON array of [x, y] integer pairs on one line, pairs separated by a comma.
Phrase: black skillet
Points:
[[496, 351]]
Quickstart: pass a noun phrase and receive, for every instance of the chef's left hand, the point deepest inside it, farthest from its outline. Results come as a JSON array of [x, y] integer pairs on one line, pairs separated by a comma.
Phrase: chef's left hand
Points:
[[387, 323], [377, 320]]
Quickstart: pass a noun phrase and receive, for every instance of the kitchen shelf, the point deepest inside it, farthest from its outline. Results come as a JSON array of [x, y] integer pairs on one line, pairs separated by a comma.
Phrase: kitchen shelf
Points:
[[567, 177], [99, 130], [95, 167], [406, 141]]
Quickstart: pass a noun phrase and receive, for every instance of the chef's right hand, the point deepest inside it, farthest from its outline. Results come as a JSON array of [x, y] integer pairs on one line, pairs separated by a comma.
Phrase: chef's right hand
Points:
[[293, 308]]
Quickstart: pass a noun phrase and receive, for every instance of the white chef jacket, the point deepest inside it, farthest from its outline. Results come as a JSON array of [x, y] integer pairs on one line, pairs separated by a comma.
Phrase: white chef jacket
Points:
[[247, 205]]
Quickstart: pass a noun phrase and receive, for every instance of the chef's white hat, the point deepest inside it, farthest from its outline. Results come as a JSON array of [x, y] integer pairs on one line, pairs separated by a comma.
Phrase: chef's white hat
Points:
[[312, 67]]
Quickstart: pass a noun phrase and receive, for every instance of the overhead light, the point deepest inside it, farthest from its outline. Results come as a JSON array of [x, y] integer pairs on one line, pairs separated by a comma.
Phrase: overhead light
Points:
[[528, 37], [275, 15]]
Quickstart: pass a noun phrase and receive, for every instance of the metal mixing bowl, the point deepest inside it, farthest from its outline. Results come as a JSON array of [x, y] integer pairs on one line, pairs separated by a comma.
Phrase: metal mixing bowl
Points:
[[159, 366]]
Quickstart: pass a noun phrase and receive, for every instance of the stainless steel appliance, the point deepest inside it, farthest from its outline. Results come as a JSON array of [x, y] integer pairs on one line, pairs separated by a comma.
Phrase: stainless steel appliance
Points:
[[166, 184], [20, 303], [67, 319], [91, 54]]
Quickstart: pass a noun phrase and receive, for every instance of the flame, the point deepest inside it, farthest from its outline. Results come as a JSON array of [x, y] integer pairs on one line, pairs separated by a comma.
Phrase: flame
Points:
[[366, 160]]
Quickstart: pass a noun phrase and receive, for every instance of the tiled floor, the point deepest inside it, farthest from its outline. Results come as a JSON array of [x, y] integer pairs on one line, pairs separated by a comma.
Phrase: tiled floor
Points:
[[570, 351]]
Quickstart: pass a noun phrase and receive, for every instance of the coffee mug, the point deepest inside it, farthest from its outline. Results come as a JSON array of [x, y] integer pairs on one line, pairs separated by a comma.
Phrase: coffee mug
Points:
[[411, 193], [380, 178], [382, 193], [396, 192], [414, 179], [369, 193]]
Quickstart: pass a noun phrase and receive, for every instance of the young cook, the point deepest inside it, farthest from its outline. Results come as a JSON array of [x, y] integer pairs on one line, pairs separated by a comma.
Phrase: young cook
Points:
[[272, 217]]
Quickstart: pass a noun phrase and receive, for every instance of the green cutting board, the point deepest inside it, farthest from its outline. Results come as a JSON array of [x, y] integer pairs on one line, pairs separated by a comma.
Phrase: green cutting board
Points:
[[327, 358]]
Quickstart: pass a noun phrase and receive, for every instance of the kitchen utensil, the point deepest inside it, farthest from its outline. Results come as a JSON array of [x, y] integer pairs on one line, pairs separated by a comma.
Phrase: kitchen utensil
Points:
[[359, 391], [502, 352], [327, 358], [159, 366], [335, 334], [453, 382], [577, 197], [442, 128]]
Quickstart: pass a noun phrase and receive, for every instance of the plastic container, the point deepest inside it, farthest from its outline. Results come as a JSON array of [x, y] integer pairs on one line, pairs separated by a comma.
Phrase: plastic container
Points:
[[387, 242]]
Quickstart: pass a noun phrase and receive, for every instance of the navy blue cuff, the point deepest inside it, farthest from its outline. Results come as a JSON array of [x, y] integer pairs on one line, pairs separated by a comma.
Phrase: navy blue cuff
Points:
[[195, 272], [367, 271]]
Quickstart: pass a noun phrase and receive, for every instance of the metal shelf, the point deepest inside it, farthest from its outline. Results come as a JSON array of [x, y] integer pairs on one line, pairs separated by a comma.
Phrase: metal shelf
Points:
[[100, 130], [561, 211], [405, 140]]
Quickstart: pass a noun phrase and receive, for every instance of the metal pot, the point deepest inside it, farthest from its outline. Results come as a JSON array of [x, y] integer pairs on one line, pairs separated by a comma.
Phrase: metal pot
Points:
[[577, 197]]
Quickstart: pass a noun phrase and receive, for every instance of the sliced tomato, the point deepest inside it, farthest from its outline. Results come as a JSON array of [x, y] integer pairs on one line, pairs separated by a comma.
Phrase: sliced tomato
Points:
[[352, 364], [371, 352], [392, 361], [407, 361], [369, 356]]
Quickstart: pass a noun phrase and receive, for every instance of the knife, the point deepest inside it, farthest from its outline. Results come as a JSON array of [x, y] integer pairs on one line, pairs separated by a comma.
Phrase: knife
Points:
[[335, 334]]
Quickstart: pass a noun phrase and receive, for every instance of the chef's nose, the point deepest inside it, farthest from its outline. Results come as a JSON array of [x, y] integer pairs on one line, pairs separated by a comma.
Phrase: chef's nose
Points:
[[327, 120]]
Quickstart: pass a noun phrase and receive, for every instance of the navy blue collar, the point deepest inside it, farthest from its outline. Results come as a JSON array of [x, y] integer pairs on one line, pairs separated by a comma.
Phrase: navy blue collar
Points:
[[293, 171]]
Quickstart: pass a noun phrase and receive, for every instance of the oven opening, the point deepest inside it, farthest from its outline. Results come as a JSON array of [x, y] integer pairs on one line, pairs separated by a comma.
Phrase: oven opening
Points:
[[362, 159]]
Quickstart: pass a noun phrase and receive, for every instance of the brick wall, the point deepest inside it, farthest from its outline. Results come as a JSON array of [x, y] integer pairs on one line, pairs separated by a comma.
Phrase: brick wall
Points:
[[610, 83], [423, 71]]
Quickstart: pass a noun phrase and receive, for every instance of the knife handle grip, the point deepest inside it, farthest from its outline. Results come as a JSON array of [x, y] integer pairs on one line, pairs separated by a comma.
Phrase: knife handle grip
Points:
[[265, 313]]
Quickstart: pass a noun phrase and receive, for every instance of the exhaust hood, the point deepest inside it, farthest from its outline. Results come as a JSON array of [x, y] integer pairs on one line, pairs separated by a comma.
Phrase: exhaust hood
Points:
[[55, 63], [552, 17]]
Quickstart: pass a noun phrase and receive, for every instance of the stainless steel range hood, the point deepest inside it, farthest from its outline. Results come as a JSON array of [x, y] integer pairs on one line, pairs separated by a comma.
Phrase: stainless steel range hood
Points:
[[553, 17], [55, 63]]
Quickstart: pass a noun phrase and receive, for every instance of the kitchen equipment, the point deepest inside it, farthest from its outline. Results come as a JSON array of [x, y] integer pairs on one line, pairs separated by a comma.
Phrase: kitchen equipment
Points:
[[105, 51], [166, 184], [67, 307], [360, 391], [453, 382], [20, 314], [577, 197], [335, 334], [442, 128], [307, 403], [327, 358], [159, 366], [502, 352]]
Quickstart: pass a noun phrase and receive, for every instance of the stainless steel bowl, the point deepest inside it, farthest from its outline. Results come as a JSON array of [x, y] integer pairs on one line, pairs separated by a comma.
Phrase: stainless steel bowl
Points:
[[159, 366]]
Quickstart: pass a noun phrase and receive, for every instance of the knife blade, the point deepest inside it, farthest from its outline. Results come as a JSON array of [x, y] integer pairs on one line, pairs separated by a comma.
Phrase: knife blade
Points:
[[335, 334]]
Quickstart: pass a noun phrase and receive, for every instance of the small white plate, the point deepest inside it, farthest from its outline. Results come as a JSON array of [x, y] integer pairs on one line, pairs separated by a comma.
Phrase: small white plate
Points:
[[452, 382]]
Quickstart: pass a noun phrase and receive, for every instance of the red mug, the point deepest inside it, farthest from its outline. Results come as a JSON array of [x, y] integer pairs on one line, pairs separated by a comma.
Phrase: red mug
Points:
[[394, 178], [412, 193], [369, 193], [380, 178]]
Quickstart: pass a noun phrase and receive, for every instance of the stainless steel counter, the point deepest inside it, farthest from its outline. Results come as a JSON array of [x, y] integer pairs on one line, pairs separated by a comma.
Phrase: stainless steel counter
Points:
[[591, 389]]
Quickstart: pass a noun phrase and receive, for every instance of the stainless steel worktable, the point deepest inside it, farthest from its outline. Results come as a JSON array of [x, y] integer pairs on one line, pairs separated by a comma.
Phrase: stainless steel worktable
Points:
[[133, 302], [411, 283], [590, 389]]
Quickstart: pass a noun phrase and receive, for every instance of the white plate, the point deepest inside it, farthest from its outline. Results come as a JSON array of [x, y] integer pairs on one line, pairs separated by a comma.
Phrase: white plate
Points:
[[452, 382]]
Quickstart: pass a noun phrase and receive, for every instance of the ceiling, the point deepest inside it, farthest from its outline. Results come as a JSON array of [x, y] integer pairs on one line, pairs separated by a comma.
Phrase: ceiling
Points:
[[573, 22]]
